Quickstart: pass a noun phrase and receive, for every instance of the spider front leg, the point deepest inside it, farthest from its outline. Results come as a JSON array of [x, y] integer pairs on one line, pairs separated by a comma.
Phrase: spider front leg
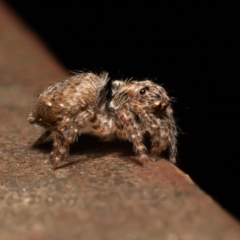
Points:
[[66, 134], [127, 128], [153, 126], [173, 150], [157, 146]]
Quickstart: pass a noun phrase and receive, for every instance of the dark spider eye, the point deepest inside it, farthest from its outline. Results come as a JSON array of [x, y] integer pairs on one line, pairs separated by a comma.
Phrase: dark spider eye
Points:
[[143, 90]]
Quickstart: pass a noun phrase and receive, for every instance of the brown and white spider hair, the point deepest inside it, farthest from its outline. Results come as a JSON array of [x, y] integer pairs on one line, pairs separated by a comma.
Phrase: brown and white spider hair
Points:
[[79, 105]]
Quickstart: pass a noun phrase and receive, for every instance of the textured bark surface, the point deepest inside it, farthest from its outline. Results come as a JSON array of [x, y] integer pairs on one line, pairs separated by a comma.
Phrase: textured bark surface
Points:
[[104, 193]]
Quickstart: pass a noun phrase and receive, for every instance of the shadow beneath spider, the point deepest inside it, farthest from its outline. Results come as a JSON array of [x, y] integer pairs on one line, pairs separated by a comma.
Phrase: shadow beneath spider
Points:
[[88, 144], [94, 146]]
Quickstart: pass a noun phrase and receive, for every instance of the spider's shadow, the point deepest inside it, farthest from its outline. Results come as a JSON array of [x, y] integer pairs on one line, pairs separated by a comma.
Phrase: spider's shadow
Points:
[[88, 144], [92, 146]]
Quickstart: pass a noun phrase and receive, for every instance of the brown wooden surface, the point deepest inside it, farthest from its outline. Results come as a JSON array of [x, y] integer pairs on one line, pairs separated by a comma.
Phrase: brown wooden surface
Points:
[[105, 194]]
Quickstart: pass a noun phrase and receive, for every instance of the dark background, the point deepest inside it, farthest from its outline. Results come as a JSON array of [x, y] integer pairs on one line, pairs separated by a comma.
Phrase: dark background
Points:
[[194, 56]]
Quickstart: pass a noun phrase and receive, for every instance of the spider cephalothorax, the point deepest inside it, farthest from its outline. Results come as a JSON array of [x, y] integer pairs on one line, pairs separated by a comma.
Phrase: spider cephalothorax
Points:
[[143, 95], [79, 105], [142, 107]]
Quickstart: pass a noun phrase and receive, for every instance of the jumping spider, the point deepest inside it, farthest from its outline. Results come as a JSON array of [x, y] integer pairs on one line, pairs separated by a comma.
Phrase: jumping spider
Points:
[[80, 105]]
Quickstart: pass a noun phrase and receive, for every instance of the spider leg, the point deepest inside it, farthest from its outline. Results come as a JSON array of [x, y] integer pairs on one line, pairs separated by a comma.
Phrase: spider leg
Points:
[[103, 126], [163, 136], [60, 149], [173, 150], [158, 144], [131, 132], [66, 134], [157, 132], [43, 137]]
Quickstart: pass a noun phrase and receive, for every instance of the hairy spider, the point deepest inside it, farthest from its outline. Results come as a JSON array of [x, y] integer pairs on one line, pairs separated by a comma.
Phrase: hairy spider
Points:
[[141, 107], [79, 105]]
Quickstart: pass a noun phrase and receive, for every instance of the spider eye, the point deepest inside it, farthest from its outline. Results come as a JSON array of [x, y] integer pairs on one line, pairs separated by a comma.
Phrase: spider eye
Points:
[[143, 90]]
